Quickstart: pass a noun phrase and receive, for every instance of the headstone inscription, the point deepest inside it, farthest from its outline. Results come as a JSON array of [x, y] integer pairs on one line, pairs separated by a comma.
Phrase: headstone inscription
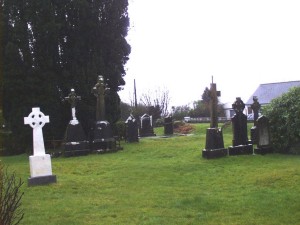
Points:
[[214, 147], [102, 135], [40, 162], [75, 141], [132, 129], [146, 129], [168, 125], [240, 143], [263, 136], [255, 106]]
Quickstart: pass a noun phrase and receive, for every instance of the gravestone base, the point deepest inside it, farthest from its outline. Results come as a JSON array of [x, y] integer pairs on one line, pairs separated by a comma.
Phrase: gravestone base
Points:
[[80, 148], [253, 135], [241, 150], [214, 147], [214, 153], [75, 140], [263, 150], [43, 180], [40, 170], [104, 145], [103, 139]]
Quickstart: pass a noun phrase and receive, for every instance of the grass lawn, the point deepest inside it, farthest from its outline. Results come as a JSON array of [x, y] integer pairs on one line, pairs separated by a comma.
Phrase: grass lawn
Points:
[[164, 181]]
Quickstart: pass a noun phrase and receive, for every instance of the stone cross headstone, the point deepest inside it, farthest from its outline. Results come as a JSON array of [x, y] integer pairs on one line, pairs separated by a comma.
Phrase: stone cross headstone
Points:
[[72, 98], [40, 163], [214, 94], [102, 135], [99, 90], [240, 141], [214, 146], [37, 120], [239, 123]]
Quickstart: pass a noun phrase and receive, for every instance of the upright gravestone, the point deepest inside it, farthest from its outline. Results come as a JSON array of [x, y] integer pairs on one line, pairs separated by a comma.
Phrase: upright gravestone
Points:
[[75, 141], [40, 162], [214, 147], [255, 106], [146, 129], [240, 143], [132, 129], [168, 125], [102, 136], [263, 136]]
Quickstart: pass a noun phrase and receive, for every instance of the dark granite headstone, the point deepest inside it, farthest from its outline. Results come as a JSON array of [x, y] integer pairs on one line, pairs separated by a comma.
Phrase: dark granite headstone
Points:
[[240, 143], [168, 125], [263, 136], [146, 129], [102, 138], [132, 129], [214, 146]]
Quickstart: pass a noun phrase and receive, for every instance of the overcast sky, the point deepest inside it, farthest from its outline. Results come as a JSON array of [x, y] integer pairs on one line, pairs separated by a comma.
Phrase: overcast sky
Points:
[[178, 45]]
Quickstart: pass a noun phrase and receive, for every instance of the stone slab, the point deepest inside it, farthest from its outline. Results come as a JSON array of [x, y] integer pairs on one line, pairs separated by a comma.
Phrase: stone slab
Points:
[[43, 180], [240, 150], [214, 153]]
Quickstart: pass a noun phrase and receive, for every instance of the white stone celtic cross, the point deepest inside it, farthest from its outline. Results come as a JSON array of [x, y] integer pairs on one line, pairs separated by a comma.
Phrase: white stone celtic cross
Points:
[[37, 120]]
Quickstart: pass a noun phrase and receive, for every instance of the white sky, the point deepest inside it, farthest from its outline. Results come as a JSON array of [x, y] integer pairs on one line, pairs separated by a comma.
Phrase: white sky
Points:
[[179, 45]]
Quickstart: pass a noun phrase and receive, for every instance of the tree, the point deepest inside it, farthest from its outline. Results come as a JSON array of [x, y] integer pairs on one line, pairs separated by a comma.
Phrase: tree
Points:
[[180, 111], [49, 47], [157, 103], [283, 114], [202, 107]]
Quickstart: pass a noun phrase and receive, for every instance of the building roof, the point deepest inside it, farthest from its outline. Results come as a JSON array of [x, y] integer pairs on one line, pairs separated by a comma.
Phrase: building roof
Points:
[[266, 92]]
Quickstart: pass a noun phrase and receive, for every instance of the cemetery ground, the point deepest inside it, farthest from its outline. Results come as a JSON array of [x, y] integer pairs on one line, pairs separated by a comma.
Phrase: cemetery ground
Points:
[[164, 181]]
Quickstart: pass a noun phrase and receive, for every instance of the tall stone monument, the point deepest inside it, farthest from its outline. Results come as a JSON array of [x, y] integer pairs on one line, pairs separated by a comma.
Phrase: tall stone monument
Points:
[[102, 135], [255, 106], [40, 162], [75, 141], [240, 143], [214, 146]]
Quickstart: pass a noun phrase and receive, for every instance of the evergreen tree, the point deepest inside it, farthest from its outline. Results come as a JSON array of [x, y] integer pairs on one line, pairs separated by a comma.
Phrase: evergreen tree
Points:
[[51, 46]]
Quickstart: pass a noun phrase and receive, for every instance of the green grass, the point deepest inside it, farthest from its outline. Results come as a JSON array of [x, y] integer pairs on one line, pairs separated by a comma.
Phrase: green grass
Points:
[[165, 181]]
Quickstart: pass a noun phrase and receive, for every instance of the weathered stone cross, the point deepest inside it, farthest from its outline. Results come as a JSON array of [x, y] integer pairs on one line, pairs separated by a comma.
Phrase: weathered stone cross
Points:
[[214, 94], [99, 91], [37, 120]]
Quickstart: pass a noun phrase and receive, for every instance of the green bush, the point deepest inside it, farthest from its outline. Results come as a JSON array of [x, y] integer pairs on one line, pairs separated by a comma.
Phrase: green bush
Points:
[[119, 129], [284, 117]]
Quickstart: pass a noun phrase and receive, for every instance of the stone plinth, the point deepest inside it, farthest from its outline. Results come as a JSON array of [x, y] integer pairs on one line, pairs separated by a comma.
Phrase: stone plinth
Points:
[[214, 147], [40, 170], [103, 139], [75, 143], [241, 150]]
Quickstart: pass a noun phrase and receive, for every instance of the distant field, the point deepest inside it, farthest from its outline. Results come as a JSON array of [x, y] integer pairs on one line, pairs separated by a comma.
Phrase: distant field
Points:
[[165, 181]]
